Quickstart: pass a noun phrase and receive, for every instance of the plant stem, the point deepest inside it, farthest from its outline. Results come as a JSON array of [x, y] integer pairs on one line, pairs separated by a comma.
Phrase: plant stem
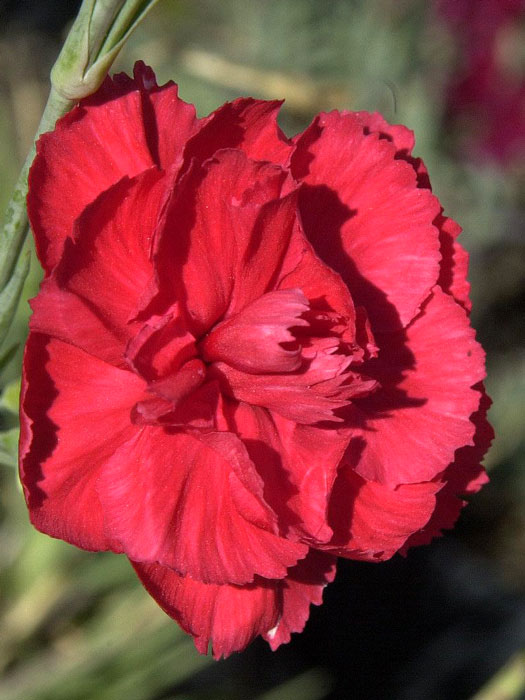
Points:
[[15, 226]]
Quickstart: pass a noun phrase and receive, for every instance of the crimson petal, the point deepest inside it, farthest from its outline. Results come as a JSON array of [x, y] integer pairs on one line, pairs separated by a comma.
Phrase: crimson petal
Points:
[[227, 255], [298, 466], [302, 587], [254, 340], [225, 539], [372, 521], [105, 138], [96, 287], [360, 207], [412, 426], [247, 124], [228, 616], [454, 259], [464, 477], [74, 417]]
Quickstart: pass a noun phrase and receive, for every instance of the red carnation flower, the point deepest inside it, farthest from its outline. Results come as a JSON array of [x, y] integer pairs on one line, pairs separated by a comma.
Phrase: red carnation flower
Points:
[[249, 355]]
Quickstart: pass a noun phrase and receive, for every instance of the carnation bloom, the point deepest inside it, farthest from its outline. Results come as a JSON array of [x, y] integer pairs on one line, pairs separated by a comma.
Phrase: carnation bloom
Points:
[[249, 355]]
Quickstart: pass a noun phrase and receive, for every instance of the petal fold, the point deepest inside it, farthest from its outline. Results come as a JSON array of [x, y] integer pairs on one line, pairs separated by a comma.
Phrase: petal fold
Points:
[[372, 521], [412, 426], [225, 539], [74, 418], [95, 289], [360, 207], [255, 339], [226, 255], [298, 465], [229, 617]]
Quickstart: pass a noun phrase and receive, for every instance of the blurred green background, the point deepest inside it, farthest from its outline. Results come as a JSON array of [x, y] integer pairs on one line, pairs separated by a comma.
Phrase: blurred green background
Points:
[[437, 625]]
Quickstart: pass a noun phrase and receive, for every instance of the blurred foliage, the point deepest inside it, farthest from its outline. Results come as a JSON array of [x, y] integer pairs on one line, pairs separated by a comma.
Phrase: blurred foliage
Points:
[[78, 626]]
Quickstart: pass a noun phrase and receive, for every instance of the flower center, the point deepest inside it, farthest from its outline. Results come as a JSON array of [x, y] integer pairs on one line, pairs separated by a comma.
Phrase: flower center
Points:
[[281, 351], [260, 338]]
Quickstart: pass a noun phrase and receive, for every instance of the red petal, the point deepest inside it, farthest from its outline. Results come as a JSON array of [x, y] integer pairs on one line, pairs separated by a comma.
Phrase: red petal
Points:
[[233, 222], [74, 417], [96, 287], [302, 587], [402, 138], [162, 108], [178, 385], [454, 259], [298, 466], [122, 130], [200, 511], [247, 124], [170, 393], [331, 306], [421, 415], [361, 207], [464, 476], [92, 148], [372, 521], [252, 340], [228, 616], [161, 346], [314, 394]]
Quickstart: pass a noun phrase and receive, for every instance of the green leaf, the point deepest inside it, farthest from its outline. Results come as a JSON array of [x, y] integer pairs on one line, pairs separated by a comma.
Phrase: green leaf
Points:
[[8, 355], [10, 295], [11, 396], [9, 447]]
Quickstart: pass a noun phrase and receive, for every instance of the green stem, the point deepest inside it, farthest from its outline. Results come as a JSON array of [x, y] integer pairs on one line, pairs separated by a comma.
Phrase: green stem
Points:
[[131, 14], [15, 224]]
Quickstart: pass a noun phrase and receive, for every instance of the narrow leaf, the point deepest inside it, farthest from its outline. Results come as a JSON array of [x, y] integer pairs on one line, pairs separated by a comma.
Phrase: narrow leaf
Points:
[[11, 294]]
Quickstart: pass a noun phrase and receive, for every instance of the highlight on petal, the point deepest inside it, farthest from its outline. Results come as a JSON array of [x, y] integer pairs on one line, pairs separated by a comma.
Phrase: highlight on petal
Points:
[[255, 339]]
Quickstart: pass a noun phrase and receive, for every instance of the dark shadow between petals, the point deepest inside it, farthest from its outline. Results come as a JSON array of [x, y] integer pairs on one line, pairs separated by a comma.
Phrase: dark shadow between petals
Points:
[[40, 394]]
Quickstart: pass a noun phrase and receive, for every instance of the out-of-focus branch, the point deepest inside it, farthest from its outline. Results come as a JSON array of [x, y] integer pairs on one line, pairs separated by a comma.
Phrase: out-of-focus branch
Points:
[[508, 683], [303, 95]]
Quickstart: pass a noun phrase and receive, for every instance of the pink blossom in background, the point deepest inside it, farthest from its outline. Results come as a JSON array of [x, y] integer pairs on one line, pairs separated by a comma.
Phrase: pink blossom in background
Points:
[[486, 99]]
